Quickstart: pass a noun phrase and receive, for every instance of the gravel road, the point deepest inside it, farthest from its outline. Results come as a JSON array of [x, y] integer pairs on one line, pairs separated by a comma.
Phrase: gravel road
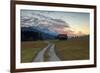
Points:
[[51, 54]]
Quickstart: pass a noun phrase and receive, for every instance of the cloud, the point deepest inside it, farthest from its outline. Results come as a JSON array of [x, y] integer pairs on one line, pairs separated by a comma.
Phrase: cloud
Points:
[[29, 18], [69, 31]]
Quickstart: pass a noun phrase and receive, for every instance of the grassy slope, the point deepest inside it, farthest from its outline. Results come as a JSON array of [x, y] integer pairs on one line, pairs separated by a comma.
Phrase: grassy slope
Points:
[[73, 49], [30, 49]]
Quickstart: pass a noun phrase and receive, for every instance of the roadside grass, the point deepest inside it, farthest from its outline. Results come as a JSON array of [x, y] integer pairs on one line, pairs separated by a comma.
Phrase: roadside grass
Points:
[[72, 49], [28, 54], [30, 49]]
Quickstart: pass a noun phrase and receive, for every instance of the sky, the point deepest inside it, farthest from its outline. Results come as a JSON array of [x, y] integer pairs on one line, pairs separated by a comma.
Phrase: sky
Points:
[[78, 21]]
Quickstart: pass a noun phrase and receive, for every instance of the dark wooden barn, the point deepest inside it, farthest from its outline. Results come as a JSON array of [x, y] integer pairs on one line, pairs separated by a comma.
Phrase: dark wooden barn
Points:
[[62, 37]]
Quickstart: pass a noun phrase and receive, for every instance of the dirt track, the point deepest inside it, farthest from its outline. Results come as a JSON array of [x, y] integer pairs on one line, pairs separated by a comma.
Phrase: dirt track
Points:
[[51, 54]]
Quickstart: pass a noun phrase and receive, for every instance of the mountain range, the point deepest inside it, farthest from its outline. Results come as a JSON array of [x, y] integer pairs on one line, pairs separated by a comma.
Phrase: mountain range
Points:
[[40, 23]]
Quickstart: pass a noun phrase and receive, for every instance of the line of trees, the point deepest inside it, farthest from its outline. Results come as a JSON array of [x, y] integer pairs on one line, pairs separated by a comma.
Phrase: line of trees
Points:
[[33, 36]]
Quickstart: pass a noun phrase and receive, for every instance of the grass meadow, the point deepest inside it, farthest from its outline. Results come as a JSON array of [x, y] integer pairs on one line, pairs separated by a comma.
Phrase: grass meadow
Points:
[[71, 49], [30, 49]]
